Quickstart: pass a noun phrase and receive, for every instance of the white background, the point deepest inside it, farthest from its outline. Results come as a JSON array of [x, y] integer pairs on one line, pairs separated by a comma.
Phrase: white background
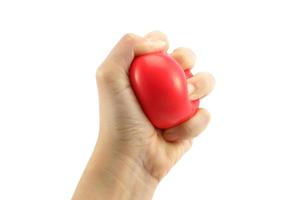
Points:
[[49, 51]]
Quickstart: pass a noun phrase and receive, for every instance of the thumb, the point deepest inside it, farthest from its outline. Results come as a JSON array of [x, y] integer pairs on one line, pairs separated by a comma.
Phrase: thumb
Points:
[[129, 46]]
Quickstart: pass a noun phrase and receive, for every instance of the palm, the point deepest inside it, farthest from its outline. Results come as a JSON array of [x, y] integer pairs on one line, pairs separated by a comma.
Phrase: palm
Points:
[[137, 132]]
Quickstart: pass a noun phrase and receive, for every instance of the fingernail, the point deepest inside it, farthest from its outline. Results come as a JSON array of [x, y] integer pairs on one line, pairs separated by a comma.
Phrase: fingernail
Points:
[[171, 137], [191, 88]]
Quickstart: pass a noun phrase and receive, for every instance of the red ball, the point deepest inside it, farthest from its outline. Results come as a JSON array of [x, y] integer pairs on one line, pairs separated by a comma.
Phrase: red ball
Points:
[[160, 86]]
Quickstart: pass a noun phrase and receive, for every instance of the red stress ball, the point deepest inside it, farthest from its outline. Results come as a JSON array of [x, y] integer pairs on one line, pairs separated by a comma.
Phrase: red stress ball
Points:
[[160, 86]]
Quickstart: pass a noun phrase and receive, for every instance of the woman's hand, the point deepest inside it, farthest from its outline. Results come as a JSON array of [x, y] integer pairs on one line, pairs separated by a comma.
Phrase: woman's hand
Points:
[[131, 156]]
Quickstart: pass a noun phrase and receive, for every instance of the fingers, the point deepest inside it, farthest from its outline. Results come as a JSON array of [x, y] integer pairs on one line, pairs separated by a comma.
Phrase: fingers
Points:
[[189, 129], [185, 57], [200, 85]]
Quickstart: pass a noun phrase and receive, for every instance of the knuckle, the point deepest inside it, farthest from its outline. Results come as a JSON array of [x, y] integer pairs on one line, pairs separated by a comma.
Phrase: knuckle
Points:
[[178, 57], [99, 73], [188, 51], [106, 78], [201, 81], [177, 53], [184, 53], [129, 37], [188, 130], [203, 119], [206, 115], [182, 50], [103, 75]]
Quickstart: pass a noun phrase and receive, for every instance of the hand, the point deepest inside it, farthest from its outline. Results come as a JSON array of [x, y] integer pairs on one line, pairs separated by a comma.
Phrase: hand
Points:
[[131, 156]]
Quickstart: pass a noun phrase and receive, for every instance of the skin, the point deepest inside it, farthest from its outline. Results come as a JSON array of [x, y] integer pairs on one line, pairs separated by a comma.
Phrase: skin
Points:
[[131, 156]]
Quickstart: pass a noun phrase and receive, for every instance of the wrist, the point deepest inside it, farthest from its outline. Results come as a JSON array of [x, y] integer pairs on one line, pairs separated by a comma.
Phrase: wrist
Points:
[[111, 174]]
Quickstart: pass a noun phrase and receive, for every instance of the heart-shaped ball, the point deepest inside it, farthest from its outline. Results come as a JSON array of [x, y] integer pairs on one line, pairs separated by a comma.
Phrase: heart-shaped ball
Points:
[[160, 86]]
